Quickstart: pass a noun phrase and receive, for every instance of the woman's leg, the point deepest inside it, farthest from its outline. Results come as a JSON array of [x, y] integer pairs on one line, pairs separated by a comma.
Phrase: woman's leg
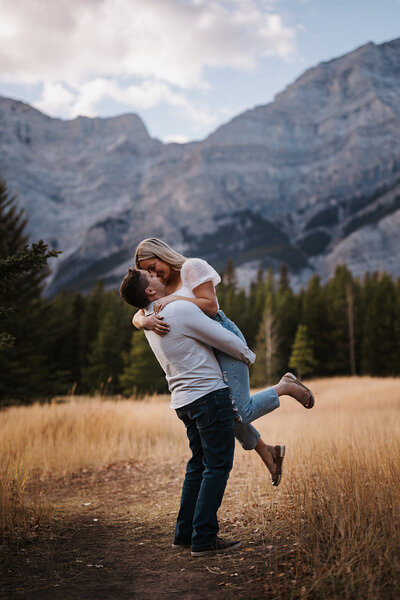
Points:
[[246, 435], [236, 376], [249, 408]]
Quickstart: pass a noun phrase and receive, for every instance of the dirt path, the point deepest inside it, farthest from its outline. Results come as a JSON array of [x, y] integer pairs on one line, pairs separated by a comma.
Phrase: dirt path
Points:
[[112, 540]]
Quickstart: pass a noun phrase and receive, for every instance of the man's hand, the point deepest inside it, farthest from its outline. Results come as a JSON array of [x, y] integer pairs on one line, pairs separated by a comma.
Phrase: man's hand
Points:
[[155, 323], [162, 302]]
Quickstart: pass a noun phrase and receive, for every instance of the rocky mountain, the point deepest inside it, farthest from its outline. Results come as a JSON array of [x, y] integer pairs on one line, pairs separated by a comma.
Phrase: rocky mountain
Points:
[[312, 179]]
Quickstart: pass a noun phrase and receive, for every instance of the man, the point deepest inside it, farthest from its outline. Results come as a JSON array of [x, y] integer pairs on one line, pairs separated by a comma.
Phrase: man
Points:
[[201, 400]]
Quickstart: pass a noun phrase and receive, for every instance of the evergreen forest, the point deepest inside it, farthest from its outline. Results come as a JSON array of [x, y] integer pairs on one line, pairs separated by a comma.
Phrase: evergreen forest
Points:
[[80, 344]]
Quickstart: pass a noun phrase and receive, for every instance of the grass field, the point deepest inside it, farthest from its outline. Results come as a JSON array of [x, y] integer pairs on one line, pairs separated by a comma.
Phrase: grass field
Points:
[[331, 530]]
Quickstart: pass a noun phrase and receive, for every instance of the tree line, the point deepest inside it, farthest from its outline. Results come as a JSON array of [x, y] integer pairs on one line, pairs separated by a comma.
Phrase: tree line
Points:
[[74, 343], [346, 326]]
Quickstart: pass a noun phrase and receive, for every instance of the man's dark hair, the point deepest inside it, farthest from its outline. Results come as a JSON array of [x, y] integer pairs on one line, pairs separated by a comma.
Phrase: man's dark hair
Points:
[[133, 288]]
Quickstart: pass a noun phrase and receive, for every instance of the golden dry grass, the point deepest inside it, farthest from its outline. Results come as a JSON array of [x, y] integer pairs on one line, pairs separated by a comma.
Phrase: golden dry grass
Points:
[[335, 519], [84, 431], [330, 530], [65, 436]]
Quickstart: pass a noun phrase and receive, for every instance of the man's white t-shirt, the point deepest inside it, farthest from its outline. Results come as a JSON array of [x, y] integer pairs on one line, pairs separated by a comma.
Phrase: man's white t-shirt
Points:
[[186, 354]]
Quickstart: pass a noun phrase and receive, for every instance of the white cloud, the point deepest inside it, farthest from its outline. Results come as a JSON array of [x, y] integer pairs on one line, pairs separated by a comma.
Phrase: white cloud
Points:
[[137, 53], [167, 40], [56, 99], [178, 139]]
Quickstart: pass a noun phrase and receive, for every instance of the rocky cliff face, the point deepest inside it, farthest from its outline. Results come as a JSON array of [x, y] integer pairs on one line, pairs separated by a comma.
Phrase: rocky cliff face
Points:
[[312, 179]]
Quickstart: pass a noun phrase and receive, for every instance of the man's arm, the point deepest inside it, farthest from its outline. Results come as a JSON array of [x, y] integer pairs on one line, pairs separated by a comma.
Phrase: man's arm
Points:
[[197, 325]]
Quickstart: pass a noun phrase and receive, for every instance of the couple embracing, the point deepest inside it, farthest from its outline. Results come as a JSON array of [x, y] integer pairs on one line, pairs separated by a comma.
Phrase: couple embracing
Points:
[[205, 359]]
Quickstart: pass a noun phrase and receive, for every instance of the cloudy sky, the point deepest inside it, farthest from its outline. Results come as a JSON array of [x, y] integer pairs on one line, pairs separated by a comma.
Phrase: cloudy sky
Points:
[[185, 66]]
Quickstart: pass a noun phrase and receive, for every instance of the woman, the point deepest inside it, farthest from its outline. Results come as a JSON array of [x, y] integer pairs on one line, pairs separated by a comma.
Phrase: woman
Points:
[[194, 280]]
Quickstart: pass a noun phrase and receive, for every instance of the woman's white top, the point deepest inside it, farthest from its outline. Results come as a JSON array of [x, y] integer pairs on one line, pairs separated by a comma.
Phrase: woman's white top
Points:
[[194, 272]]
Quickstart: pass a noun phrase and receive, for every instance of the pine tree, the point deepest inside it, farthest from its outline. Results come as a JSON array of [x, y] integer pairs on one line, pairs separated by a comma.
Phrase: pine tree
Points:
[[142, 373], [112, 338], [302, 357], [23, 369], [266, 367], [93, 311], [396, 356], [229, 275], [315, 315], [96, 306], [380, 343], [350, 321], [342, 307], [64, 350], [238, 309], [227, 290], [105, 357], [287, 309], [283, 283], [254, 308]]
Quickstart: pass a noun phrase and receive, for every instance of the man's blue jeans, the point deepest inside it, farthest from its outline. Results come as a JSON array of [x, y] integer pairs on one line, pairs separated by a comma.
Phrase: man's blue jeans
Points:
[[209, 427], [236, 376]]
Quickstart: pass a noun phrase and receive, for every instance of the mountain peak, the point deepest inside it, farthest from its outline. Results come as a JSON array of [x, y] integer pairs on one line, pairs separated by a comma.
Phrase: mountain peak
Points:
[[303, 180]]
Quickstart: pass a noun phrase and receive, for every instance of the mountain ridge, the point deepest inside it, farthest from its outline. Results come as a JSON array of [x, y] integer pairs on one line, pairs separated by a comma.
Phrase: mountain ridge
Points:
[[304, 179]]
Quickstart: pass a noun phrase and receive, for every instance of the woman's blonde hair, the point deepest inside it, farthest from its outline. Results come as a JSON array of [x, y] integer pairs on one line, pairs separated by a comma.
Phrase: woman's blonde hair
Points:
[[155, 248]]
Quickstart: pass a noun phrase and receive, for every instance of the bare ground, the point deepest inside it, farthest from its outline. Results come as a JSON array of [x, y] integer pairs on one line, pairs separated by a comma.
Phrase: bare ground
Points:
[[111, 538]]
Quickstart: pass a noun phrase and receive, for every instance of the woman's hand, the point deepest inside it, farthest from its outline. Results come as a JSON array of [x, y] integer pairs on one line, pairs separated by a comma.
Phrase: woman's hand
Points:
[[162, 302], [156, 324]]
